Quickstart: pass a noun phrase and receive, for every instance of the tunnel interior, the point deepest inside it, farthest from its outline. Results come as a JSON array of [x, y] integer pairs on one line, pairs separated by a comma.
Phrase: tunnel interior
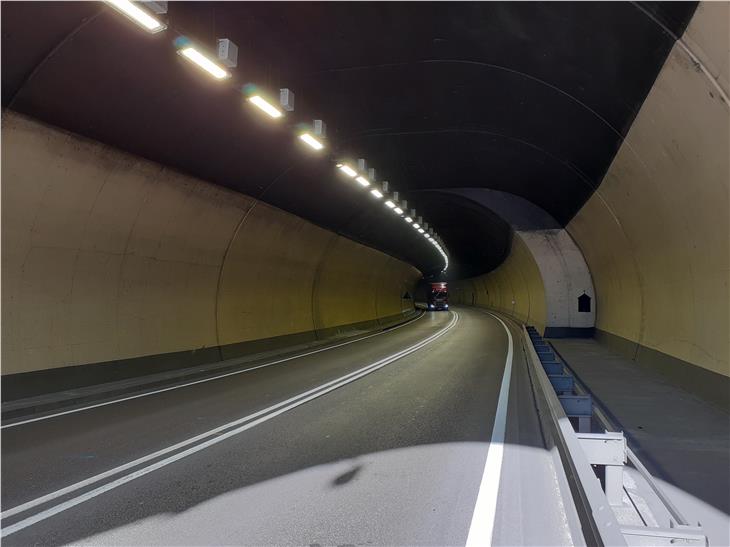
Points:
[[561, 166], [529, 99]]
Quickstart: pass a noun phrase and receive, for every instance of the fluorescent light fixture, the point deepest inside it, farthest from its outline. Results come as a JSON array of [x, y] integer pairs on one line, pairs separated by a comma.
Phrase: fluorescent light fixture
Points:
[[398, 210], [347, 170], [427, 236], [409, 220], [311, 141], [264, 105], [377, 193], [390, 204], [416, 225], [421, 230], [138, 15], [194, 56], [363, 181]]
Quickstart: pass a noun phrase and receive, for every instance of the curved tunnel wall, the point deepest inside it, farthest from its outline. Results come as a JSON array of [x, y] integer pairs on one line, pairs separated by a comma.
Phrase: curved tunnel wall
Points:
[[655, 233], [539, 284], [515, 288], [107, 257]]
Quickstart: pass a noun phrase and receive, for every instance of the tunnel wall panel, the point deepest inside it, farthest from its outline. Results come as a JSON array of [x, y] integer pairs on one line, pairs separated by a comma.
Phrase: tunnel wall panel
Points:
[[271, 262], [656, 232], [109, 258], [346, 270]]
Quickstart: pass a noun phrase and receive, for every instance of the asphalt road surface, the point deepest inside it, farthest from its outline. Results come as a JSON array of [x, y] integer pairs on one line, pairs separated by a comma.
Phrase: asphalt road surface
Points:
[[424, 434]]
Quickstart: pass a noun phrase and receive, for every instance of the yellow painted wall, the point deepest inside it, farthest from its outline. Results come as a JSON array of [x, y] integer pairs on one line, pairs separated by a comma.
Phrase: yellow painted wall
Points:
[[106, 256], [656, 234], [514, 288]]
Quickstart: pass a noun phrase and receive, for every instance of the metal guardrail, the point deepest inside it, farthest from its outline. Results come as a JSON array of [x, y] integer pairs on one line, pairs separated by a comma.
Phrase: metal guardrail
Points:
[[598, 521], [680, 529]]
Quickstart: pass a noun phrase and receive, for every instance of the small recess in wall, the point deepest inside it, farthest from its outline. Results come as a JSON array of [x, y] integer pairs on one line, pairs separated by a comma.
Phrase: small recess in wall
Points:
[[584, 303]]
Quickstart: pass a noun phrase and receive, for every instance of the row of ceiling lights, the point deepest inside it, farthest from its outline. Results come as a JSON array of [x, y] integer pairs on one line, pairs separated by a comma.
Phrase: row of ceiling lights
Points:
[[395, 205], [189, 52]]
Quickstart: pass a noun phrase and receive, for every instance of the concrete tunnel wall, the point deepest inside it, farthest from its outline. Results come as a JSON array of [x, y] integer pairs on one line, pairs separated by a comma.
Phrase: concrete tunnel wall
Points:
[[656, 232], [107, 257], [515, 288]]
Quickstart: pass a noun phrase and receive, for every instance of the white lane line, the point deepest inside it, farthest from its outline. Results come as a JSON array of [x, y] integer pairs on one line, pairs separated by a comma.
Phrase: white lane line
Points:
[[208, 379], [106, 474], [485, 510], [262, 416]]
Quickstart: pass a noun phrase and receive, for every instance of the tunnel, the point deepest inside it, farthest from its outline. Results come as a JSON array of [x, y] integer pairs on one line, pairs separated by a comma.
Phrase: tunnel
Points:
[[365, 273]]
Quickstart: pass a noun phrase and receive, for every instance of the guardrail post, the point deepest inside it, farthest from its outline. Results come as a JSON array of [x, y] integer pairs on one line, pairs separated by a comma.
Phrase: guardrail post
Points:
[[608, 450], [580, 407]]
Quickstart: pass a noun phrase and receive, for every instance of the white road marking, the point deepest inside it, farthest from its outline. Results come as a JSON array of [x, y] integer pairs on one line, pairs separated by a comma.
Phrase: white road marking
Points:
[[203, 380], [261, 417], [485, 509]]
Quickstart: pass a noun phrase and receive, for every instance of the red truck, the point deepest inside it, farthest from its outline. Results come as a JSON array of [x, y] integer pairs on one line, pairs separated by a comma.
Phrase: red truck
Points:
[[438, 297]]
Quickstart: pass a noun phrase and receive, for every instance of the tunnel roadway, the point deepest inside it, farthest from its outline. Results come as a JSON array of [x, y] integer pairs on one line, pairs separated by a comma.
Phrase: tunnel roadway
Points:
[[391, 439]]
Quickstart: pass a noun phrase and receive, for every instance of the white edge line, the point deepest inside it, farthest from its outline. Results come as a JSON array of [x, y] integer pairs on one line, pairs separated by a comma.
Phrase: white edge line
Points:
[[208, 379], [277, 409], [485, 509]]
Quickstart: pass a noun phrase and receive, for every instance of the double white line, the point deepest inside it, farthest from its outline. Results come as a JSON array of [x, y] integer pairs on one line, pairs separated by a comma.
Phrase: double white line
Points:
[[206, 379], [198, 443]]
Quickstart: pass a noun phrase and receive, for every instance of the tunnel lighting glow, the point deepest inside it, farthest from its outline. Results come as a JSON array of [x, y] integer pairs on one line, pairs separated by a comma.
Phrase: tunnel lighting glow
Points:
[[377, 193], [138, 15], [409, 220], [398, 210], [427, 236], [197, 58], [416, 225], [347, 170], [311, 141], [264, 105], [421, 230], [363, 181], [390, 204]]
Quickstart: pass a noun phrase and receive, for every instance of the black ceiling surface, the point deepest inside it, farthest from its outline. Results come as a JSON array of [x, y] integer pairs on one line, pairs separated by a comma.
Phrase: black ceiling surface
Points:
[[527, 98]]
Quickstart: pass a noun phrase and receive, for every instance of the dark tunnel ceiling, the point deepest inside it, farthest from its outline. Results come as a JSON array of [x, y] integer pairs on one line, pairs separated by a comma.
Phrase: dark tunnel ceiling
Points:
[[527, 98]]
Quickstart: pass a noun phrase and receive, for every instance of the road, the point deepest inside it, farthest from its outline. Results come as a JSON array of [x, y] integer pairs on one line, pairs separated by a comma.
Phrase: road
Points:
[[393, 439]]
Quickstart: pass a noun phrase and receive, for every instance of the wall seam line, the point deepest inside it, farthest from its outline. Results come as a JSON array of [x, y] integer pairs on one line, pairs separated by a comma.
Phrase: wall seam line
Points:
[[233, 237]]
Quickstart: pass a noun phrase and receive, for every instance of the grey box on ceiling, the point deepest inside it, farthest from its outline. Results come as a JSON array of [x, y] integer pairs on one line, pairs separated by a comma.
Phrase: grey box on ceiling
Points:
[[227, 52], [158, 8], [319, 128], [286, 99]]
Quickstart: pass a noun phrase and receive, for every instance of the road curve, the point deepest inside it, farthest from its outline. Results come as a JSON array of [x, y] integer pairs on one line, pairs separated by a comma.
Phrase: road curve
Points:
[[382, 441]]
